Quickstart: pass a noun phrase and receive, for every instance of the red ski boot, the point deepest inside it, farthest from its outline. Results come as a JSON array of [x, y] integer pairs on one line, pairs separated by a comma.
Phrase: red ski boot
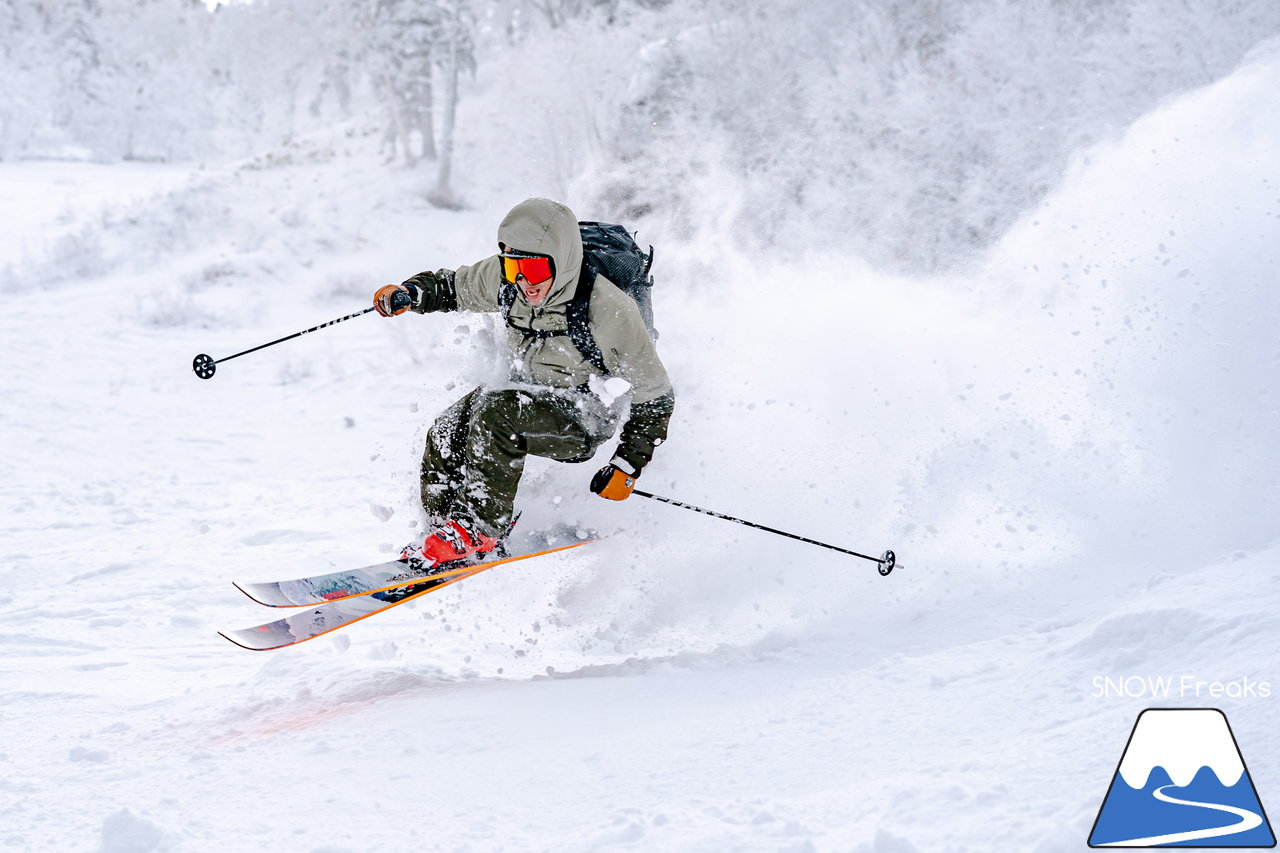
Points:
[[447, 544]]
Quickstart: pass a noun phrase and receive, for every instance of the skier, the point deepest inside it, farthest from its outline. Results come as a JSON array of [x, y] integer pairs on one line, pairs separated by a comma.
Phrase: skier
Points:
[[554, 403]]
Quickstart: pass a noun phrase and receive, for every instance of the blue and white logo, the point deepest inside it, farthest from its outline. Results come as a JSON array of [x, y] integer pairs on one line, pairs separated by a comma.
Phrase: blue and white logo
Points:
[[1181, 782]]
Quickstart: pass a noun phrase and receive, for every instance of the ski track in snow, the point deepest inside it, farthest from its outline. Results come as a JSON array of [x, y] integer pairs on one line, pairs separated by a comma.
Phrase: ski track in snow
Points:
[[754, 696]]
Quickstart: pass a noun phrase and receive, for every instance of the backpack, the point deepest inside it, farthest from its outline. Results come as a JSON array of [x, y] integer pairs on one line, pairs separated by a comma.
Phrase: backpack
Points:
[[607, 250]]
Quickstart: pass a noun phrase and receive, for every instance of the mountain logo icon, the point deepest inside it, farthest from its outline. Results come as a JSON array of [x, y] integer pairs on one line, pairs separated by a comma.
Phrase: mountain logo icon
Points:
[[1182, 782]]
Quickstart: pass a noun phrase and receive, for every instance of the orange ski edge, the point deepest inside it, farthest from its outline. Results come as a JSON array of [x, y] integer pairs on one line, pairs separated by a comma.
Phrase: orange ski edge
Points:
[[470, 571], [475, 570]]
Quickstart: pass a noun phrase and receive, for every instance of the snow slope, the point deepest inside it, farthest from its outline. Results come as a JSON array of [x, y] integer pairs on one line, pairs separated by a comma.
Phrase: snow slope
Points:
[[1069, 449]]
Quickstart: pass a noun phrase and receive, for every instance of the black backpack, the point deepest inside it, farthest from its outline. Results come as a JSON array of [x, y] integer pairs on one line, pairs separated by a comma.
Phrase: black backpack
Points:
[[607, 250]]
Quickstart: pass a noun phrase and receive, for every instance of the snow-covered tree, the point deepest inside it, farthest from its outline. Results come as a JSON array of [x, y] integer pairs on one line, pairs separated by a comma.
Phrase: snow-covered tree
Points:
[[410, 41], [457, 55]]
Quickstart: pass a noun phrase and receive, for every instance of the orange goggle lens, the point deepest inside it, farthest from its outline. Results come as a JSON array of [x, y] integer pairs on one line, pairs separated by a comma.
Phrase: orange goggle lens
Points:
[[534, 270]]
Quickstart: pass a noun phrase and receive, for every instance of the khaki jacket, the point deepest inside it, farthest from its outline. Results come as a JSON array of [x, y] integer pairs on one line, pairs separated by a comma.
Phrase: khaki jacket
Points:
[[545, 227]]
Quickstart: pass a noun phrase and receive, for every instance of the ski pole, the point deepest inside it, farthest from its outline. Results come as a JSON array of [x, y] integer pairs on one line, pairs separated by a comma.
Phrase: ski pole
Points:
[[884, 562], [205, 366]]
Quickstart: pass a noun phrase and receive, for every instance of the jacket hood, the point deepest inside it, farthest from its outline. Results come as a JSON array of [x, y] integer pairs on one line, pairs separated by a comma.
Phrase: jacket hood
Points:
[[541, 226]]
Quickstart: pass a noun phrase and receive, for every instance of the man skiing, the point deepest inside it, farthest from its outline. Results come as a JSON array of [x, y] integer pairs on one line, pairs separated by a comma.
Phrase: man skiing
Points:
[[554, 403]]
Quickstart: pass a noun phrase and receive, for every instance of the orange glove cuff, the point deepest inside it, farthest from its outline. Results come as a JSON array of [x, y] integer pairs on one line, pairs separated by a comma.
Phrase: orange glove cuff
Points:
[[612, 483], [386, 303]]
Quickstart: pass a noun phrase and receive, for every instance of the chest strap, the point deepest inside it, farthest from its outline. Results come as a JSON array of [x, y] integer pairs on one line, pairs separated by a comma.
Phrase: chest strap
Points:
[[576, 314]]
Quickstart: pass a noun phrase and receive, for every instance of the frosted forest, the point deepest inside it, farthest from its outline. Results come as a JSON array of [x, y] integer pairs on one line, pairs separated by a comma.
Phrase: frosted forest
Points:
[[988, 283]]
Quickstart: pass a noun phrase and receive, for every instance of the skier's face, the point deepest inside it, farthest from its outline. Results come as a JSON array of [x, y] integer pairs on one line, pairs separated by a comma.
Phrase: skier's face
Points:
[[532, 274], [534, 294]]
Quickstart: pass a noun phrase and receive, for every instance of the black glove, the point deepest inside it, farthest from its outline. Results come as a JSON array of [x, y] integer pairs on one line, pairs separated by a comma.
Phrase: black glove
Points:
[[645, 429], [433, 291]]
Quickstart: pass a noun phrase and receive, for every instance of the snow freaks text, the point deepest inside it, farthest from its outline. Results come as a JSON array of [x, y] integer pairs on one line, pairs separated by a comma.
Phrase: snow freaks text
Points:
[[1177, 686]]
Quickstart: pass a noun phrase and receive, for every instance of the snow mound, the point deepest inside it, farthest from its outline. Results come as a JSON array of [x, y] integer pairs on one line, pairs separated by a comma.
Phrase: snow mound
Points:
[[125, 832]]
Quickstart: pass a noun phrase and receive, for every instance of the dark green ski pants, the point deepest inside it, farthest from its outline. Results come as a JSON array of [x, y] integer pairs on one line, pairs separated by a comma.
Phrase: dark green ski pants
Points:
[[476, 449]]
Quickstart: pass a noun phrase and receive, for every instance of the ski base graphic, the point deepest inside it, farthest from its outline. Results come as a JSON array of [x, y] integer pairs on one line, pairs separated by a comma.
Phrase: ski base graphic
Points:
[[334, 586]]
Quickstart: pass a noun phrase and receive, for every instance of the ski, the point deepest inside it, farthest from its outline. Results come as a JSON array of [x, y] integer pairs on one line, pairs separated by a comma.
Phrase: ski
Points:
[[335, 586], [332, 615], [313, 623]]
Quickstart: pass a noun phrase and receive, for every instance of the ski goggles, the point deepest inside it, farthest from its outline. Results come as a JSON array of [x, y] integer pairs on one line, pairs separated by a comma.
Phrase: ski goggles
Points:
[[535, 268]]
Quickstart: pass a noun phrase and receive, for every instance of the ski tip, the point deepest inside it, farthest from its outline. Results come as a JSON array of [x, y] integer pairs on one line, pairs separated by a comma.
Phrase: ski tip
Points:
[[266, 594], [241, 639], [234, 641]]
